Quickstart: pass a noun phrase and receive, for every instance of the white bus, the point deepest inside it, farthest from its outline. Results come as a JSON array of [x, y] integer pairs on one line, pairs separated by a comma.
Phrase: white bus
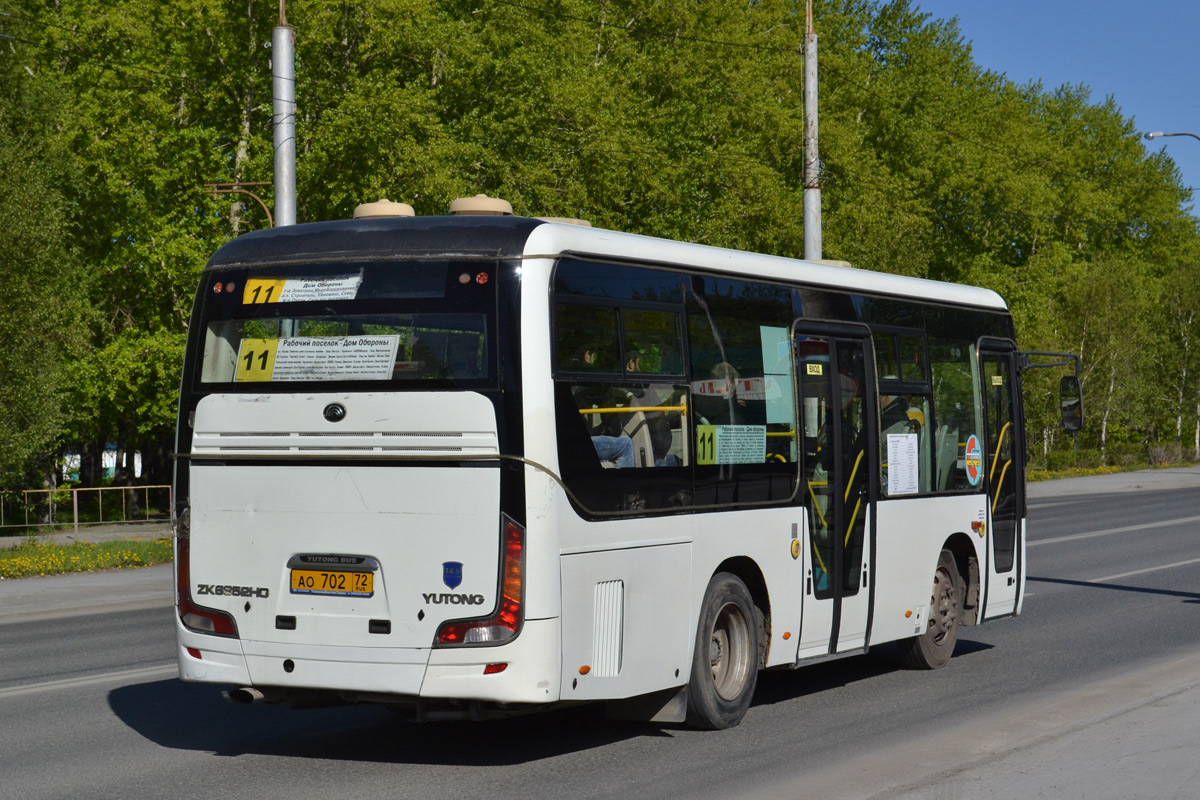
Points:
[[476, 465]]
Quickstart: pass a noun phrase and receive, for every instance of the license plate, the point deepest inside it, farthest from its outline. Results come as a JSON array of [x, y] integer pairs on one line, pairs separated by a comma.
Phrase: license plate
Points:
[[343, 584]]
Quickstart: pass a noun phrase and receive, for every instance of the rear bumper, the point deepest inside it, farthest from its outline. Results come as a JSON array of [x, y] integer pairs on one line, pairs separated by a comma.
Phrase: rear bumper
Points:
[[530, 675]]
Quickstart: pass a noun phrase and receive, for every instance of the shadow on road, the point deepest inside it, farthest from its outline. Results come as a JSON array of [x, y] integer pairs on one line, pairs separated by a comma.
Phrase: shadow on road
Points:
[[194, 717], [184, 716], [1191, 597], [780, 686]]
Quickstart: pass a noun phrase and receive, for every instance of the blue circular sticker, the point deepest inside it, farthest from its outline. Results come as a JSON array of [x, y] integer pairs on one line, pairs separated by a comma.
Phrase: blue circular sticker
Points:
[[974, 458]]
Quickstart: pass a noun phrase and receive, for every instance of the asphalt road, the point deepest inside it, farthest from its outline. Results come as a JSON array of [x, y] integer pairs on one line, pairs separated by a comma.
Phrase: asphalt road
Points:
[[1088, 694]]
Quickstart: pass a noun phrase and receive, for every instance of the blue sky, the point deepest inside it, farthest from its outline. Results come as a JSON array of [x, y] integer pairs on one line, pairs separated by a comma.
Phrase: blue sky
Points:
[[1143, 54]]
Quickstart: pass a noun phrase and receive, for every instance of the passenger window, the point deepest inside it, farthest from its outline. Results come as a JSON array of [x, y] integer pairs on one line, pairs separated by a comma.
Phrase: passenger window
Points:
[[886, 357], [743, 391], [652, 342], [587, 339], [912, 358], [904, 442], [955, 400], [622, 406], [635, 426], [900, 356]]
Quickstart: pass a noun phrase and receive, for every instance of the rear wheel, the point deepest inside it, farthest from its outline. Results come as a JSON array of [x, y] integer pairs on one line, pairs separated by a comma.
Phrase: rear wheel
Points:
[[725, 661], [933, 648]]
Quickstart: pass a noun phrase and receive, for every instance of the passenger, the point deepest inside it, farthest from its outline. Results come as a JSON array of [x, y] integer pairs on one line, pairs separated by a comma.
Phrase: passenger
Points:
[[611, 444]]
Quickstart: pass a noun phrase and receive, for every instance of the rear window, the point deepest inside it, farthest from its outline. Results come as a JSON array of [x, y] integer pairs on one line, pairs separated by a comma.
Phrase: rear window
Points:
[[398, 323]]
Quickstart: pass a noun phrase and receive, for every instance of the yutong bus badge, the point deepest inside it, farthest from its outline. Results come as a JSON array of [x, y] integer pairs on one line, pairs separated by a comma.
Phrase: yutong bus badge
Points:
[[452, 573]]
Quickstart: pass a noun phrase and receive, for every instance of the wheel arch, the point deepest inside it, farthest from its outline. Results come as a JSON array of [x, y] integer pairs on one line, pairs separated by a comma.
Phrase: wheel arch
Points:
[[746, 570], [967, 560]]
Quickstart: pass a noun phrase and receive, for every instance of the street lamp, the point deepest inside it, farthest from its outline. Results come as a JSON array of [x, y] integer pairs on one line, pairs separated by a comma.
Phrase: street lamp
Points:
[[1156, 134]]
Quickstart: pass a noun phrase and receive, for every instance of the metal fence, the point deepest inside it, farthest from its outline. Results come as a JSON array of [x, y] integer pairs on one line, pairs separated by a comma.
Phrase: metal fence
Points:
[[79, 507]]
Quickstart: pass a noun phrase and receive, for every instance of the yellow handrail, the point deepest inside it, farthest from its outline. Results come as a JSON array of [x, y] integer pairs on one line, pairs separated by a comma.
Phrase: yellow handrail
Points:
[[824, 524], [996, 455], [631, 409], [858, 505], [1003, 472], [854, 472], [853, 519], [813, 494]]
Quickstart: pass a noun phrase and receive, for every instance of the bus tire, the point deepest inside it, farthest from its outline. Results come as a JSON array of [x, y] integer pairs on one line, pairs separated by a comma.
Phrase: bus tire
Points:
[[725, 660], [933, 648]]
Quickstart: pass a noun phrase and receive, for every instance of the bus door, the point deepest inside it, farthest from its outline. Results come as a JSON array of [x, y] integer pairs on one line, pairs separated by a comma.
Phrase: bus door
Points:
[[1003, 475], [837, 462]]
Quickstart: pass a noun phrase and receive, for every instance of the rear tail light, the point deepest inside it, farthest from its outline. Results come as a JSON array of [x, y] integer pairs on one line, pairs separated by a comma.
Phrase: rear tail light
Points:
[[505, 621], [195, 617]]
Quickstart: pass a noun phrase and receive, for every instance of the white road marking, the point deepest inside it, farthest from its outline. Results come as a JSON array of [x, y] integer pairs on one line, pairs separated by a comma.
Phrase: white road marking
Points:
[[90, 680], [1147, 569], [1166, 523]]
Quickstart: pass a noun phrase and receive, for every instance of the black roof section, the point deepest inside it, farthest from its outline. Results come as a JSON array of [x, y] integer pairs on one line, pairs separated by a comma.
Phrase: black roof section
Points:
[[379, 238]]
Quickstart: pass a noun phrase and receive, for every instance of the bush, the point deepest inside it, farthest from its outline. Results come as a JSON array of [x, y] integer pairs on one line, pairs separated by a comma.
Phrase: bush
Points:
[[1126, 454], [1068, 459], [1167, 453]]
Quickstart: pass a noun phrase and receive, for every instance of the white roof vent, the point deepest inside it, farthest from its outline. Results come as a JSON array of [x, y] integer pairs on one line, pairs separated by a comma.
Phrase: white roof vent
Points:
[[481, 206], [383, 208]]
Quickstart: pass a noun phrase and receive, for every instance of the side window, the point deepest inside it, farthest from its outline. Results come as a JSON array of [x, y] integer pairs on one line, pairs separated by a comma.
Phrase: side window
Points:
[[954, 396], [652, 342], [622, 402], [587, 339], [906, 412], [900, 355], [742, 391]]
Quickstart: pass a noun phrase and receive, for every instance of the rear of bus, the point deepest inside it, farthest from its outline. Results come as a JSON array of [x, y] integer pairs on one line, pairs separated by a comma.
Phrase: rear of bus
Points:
[[341, 529]]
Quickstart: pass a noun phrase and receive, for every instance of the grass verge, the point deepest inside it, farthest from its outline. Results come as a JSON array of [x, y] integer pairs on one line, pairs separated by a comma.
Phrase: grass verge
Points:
[[1035, 475], [34, 558]]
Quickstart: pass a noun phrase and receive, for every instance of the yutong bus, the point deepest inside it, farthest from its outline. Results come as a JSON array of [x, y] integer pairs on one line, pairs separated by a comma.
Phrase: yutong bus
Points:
[[474, 465]]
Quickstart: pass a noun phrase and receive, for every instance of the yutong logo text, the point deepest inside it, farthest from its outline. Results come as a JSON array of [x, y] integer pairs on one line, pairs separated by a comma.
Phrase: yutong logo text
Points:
[[447, 599]]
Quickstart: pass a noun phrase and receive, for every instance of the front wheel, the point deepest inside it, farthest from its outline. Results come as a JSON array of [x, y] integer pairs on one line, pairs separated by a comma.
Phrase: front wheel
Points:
[[725, 661], [933, 648]]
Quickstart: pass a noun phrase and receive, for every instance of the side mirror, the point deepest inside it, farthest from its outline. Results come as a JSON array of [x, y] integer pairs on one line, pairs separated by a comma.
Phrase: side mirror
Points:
[[1070, 398]]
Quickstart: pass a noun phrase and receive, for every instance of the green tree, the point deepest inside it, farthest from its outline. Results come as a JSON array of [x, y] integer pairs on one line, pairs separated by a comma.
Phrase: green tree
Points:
[[41, 276]]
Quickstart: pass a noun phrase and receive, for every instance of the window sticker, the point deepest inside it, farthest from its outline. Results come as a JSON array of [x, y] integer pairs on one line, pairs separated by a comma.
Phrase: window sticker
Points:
[[743, 388], [301, 290], [731, 444], [350, 358], [777, 374], [902, 466], [974, 461]]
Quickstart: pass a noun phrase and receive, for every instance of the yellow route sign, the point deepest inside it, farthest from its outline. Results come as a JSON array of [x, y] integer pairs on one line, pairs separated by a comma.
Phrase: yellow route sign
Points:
[[256, 360]]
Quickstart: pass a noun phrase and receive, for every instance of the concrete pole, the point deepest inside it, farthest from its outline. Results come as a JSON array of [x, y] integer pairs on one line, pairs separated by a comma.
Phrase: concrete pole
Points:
[[812, 173], [283, 120]]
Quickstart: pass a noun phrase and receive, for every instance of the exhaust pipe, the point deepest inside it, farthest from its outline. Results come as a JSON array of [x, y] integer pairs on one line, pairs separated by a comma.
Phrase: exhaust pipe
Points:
[[244, 696]]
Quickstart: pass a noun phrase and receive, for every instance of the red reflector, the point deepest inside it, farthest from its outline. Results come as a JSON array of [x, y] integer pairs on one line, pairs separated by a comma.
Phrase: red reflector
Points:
[[492, 669], [193, 652]]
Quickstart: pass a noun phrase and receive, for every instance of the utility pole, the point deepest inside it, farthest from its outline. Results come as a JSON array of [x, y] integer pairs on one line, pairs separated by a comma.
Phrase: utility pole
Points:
[[283, 120], [812, 171]]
